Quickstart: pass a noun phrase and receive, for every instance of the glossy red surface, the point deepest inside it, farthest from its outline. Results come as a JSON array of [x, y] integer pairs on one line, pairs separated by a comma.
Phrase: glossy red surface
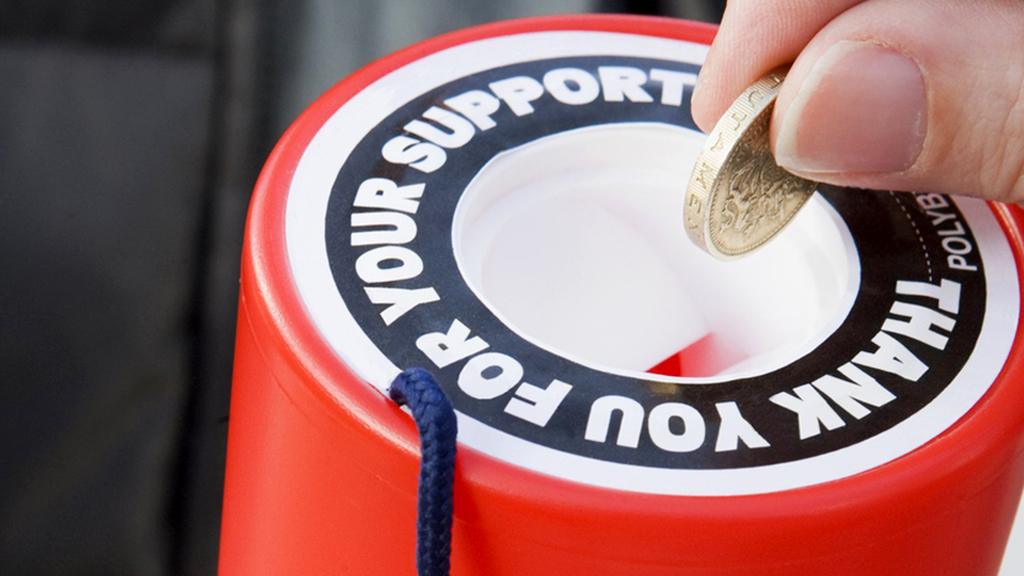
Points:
[[322, 469]]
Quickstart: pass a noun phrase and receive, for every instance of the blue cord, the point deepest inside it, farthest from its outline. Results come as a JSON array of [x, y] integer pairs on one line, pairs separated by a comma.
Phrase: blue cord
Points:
[[435, 419]]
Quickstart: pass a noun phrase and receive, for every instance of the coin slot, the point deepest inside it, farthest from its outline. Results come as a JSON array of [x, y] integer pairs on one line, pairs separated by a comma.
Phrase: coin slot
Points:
[[576, 242]]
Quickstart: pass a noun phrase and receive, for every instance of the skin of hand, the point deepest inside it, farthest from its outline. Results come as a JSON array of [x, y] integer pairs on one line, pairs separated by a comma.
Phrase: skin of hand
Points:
[[922, 95]]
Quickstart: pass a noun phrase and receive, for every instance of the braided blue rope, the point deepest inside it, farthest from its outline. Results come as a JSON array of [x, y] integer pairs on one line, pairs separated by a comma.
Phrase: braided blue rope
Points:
[[435, 419]]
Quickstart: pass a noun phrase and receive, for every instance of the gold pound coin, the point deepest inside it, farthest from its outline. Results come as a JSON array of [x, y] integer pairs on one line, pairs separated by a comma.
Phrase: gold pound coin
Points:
[[738, 197]]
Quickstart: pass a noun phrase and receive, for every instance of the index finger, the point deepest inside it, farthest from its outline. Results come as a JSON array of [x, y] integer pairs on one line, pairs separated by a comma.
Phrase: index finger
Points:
[[756, 37]]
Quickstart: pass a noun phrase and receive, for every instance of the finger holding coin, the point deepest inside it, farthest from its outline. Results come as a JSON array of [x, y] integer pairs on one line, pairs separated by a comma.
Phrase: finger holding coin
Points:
[[738, 198], [883, 94]]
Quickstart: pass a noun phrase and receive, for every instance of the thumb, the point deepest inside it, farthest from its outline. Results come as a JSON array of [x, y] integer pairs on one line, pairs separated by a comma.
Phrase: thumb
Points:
[[910, 95]]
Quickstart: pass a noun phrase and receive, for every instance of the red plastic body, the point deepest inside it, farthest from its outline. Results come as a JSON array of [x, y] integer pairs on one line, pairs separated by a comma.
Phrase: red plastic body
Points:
[[322, 468]]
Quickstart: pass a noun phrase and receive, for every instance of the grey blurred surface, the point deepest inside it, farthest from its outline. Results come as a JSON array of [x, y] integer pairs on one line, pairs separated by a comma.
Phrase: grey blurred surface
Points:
[[97, 251]]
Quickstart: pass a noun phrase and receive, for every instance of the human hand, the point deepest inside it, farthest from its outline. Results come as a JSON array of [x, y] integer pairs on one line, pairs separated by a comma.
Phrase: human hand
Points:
[[924, 95]]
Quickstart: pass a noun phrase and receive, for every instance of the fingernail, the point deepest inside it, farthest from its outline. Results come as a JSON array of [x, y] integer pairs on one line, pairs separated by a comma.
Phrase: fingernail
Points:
[[862, 110]]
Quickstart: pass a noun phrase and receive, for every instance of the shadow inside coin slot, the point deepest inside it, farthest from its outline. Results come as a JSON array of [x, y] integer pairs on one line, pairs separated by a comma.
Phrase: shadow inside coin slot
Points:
[[576, 242]]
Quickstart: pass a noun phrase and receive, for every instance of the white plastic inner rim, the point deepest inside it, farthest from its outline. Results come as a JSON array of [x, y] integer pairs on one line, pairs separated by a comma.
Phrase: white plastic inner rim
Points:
[[576, 242]]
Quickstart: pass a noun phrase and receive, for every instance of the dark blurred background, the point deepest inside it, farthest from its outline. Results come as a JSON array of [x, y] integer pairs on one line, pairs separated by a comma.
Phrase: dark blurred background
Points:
[[131, 133]]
